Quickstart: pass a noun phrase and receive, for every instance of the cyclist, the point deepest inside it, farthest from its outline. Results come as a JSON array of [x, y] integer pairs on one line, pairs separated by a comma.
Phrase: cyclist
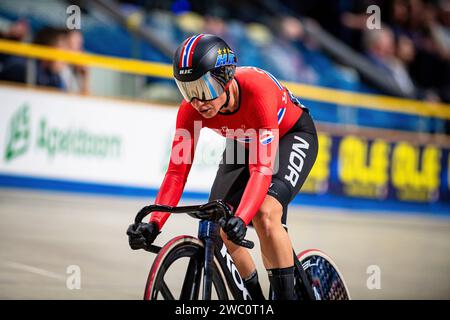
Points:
[[271, 147]]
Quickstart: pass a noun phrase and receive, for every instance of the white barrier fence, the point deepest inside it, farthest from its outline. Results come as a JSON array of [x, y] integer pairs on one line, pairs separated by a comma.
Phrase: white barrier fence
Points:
[[71, 138]]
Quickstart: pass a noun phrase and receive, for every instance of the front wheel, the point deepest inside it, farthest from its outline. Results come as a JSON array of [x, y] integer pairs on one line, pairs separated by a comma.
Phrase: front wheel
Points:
[[177, 271], [324, 276]]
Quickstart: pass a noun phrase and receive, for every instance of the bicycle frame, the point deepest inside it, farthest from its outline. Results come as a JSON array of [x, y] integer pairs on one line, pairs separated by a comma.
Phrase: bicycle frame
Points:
[[305, 284], [214, 247], [208, 233]]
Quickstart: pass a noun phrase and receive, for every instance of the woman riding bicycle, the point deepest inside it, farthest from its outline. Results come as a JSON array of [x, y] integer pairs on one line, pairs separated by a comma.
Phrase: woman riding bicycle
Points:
[[271, 147]]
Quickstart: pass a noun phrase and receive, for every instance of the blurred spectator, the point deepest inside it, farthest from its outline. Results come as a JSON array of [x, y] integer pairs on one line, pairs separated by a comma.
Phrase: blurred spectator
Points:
[[291, 28], [441, 28], [326, 12], [416, 49], [380, 49], [215, 25], [398, 16], [413, 48], [431, 66], [289, 38], [49, 73], [17, 31], [75, 77]]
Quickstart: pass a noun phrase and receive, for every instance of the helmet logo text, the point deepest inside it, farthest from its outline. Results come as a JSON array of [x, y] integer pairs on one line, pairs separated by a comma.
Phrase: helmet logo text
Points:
[[225, 57], [186, 71]]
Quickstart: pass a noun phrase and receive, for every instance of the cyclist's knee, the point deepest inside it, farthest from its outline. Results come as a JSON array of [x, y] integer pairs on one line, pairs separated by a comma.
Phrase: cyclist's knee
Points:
[[268, 218]]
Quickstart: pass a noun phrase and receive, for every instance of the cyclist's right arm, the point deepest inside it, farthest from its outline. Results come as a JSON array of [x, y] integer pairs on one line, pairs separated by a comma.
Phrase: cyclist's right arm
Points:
[[182, 155]]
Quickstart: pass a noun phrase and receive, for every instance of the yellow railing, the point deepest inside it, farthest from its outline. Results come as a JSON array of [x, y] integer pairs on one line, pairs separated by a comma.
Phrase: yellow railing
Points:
[[351, 99], [86, 59]]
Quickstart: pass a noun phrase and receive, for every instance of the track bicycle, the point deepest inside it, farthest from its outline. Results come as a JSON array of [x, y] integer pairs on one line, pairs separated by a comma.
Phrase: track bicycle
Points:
[[209, 268]]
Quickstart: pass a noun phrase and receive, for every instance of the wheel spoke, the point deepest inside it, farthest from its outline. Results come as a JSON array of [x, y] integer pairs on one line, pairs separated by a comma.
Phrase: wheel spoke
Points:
[[166, 292], [191, 281]]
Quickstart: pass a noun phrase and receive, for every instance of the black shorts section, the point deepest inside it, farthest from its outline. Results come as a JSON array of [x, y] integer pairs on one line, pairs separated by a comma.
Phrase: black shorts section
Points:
[[297, 153]]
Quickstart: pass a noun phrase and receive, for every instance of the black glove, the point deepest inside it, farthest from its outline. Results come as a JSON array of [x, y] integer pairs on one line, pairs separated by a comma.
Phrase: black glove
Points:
[[235, 229], [142, 235]]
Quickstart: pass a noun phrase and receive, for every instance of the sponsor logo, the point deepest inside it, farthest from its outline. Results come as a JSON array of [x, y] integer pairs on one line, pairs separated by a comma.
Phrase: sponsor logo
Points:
[[296, 160], [18, 139], [307, 264], [186, 71], [225, 57], [266, 137], [271, 191], [56, 141], [236, 276]]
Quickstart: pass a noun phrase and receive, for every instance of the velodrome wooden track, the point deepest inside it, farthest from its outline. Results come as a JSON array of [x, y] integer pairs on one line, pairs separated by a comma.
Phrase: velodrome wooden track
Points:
[[43, 233]]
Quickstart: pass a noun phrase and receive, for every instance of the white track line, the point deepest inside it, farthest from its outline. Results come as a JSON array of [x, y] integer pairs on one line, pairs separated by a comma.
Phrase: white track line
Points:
[[31, 269]]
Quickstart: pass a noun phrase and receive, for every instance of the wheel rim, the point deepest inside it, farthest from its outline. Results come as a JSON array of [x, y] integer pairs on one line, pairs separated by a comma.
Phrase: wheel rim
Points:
[[192, 253], [324, 276]]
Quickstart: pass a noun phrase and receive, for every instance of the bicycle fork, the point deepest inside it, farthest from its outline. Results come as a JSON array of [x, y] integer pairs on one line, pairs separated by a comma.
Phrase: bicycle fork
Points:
[[206, 233]]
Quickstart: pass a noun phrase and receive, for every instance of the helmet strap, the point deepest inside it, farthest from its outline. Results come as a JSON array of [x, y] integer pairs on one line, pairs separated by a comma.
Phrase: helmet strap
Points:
[[227, 91]]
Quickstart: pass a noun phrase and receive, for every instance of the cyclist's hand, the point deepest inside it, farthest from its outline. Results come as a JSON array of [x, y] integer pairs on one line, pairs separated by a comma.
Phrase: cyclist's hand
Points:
[[235, 229], [142, 235]]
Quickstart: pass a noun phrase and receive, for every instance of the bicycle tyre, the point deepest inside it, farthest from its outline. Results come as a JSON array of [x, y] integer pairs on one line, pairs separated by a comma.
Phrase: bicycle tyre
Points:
[[178, 248], [324, 276]]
